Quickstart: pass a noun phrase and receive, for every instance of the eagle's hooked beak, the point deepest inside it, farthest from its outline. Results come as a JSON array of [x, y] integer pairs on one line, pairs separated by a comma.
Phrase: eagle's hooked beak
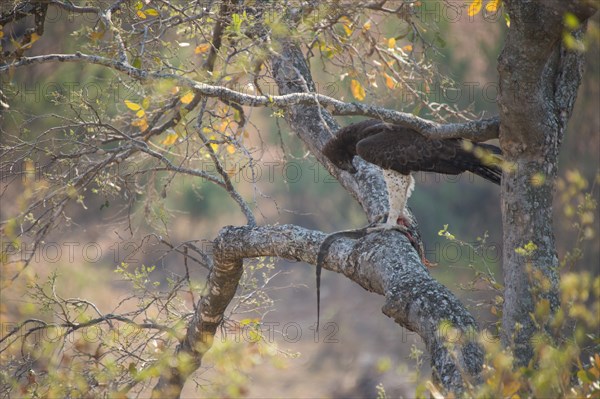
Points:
[[347, 166]]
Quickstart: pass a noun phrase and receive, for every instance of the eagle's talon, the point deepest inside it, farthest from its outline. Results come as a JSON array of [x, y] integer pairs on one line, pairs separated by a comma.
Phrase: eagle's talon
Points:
[[377, 227]]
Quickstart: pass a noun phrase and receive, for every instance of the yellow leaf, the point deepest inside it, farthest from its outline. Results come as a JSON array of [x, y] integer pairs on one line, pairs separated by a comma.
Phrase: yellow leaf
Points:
[[389, 81], [474, 7], [152, 12], [132, 106], [170, 139], [391, 43], [202, 48], [408, 48], [140, 113], [231, 149], [34, 37], [357, 90], [367, 26], [141, 123], [141, 14], [492, 6], [223, 126], [96, 35], [186, 99], [348, 30], [510, 388], [214, 146]]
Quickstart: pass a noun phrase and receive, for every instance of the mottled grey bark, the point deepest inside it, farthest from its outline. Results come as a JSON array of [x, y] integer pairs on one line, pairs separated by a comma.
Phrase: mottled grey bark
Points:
[[539, 79]]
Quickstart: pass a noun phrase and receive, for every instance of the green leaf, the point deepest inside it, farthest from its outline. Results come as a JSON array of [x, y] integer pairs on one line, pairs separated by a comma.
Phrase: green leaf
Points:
[[137, 63], [571, 21]]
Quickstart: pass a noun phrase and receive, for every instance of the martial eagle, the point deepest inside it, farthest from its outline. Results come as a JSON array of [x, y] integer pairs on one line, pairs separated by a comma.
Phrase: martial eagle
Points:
[[398, 151]]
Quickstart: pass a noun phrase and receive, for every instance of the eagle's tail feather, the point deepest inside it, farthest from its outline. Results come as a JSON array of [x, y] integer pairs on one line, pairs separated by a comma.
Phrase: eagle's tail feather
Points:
[[492, 172]]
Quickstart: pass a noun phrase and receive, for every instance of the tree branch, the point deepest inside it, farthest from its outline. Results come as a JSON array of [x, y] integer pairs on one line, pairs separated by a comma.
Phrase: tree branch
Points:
[[481, 130], [384, 263]]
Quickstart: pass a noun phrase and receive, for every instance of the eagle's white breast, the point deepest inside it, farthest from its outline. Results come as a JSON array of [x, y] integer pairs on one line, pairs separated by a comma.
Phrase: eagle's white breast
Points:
[[399, 189]]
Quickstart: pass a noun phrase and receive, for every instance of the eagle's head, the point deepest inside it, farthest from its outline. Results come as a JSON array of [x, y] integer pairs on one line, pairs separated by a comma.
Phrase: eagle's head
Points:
[[340, 151]]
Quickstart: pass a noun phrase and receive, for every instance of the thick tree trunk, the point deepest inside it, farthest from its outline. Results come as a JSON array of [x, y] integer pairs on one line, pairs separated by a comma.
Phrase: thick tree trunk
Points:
[[539, 79]]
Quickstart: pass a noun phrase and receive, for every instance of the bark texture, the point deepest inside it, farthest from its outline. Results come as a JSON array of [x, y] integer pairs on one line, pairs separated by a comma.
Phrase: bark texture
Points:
[[539, 79]]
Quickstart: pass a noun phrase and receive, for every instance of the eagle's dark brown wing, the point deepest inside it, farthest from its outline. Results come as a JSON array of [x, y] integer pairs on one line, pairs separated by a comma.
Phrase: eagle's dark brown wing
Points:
[[404, 150]]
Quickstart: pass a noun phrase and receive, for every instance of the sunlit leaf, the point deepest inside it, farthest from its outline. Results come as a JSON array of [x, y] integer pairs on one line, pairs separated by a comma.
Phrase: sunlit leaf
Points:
[[408, 48], [231, 149], [367, 26], [511, 388], [142, 124], [571, 21], [140, 113], [186, 99], [236, 22], [492, 6], [202, 48], [389, 81], [146, 102], [151, 11], [214, 146], [223, 125], [347, 25], [474, 7], [137, 62], [538, 179], [132, 106], [94, 35], [357, 90], [141, 14], [170, 139], [348, 30], [391, 43]]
